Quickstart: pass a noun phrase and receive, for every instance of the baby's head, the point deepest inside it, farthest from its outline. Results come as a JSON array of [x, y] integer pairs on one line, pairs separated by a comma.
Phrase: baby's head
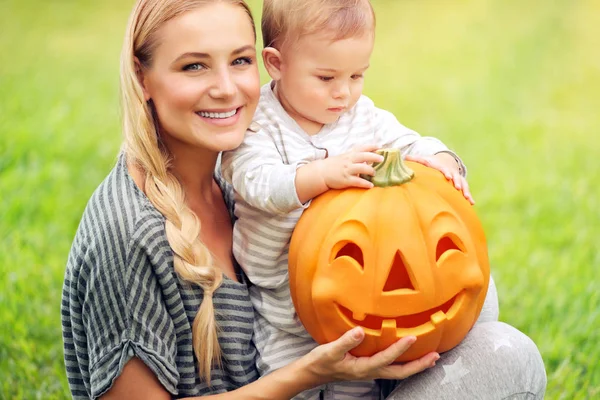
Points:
[[317, 52]]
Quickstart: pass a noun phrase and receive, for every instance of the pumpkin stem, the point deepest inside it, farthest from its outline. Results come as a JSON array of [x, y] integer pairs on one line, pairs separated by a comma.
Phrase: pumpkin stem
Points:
[[391, 171]]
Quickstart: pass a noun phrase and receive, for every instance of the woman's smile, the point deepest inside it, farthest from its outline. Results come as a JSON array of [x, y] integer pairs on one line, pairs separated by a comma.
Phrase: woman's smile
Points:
[[221, 117]]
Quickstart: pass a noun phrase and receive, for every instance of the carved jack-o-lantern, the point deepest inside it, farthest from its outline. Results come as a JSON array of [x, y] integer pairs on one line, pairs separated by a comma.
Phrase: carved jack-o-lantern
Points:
[[407, 257]]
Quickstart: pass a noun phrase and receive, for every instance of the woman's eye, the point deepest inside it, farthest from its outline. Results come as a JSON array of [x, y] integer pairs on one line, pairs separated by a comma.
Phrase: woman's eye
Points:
[[194, 67], [326, 78], [242, 61]]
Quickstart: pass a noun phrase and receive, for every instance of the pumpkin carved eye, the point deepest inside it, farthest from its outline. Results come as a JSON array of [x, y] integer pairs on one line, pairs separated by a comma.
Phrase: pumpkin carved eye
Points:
[[446, 244], [353, 251]]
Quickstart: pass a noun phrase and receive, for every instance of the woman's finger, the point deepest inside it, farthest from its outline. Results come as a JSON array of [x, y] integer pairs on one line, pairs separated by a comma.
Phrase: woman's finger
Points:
[[403, 371], [349, 340], [389, 355]]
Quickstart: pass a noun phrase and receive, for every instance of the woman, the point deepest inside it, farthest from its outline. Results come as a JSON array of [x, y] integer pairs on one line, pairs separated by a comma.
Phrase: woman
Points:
[[153, 304]]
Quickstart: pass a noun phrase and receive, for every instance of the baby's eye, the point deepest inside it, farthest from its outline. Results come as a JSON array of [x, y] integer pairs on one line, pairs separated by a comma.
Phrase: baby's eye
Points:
[[326, 78], [357, 76], [242, 61], [194, 67]]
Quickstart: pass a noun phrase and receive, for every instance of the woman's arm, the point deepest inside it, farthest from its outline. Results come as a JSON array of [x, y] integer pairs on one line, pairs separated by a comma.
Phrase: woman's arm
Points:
[[326, 363]]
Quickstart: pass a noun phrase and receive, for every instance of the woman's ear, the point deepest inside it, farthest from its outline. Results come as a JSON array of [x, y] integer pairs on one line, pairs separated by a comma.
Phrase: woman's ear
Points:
[[272, 61], [141, 76]]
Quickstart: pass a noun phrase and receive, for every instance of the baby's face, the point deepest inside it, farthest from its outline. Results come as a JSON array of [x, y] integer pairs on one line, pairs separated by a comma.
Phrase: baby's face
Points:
[[321, 79]]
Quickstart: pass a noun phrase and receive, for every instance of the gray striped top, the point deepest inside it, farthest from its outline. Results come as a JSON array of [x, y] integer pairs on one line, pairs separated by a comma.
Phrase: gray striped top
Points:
[[121, 298]]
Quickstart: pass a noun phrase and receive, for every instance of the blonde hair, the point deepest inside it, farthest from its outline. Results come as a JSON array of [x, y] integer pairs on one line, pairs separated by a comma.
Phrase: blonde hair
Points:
[[192, 261], [283, 20]]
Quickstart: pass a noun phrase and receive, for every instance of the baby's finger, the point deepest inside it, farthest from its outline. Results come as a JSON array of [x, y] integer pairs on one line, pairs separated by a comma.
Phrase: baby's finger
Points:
[[419, 159], [356, 181], [467, 192], [445, 171], [458, 180], [361, 169], [366, 157], [366, 148]]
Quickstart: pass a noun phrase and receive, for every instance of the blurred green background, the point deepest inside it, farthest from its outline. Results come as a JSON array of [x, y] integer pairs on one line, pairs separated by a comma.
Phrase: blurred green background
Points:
[[512, 86]]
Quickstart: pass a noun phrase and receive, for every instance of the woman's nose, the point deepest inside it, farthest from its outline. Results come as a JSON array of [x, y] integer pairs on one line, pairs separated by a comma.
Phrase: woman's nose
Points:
[[223, 85]]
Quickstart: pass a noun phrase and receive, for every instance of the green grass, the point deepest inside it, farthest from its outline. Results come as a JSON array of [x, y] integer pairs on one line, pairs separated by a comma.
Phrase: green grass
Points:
[[513, 87]]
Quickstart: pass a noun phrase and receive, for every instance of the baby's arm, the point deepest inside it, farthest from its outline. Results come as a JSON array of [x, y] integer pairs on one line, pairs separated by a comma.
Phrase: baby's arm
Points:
[[429, 151], [336, 172], [260, 177], [263, 180]]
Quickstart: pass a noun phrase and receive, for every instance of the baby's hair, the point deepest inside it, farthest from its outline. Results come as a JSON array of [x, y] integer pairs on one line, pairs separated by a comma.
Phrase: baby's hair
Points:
[[286, 20]]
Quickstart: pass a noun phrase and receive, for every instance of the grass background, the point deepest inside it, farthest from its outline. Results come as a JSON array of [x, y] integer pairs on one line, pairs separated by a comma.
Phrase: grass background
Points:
[[513, 87]]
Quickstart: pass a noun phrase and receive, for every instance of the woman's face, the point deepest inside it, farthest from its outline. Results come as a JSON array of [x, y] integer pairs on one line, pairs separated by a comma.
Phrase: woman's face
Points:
[[203, 78]]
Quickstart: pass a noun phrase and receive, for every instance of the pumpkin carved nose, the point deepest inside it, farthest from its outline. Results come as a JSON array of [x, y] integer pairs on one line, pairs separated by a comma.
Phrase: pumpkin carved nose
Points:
[[398, 278]]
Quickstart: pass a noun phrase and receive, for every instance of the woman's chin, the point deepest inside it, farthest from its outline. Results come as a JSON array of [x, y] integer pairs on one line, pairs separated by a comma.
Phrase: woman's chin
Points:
[[226, 142]]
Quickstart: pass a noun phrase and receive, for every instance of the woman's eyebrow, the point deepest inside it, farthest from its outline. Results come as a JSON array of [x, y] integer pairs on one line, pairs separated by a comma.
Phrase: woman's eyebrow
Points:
[[195, 54], [243, 49]]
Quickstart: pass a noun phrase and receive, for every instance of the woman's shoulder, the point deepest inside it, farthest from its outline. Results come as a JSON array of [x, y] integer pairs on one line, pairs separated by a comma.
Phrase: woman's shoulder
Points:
[[117, 219]]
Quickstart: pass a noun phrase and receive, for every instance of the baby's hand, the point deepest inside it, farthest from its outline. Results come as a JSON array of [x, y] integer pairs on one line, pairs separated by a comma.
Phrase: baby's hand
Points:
[[448, 166], [344, 171]]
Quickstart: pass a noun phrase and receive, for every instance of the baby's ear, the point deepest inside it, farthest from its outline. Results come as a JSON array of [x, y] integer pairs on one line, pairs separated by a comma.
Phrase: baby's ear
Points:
[[272, 61]]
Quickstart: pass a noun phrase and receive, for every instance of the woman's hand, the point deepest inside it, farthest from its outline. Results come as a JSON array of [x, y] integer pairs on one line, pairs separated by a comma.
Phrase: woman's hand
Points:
[[332, 362], [448, 166]]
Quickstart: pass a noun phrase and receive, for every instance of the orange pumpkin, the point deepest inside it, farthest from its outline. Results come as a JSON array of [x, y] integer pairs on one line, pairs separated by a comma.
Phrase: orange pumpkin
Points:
[[407, 257]]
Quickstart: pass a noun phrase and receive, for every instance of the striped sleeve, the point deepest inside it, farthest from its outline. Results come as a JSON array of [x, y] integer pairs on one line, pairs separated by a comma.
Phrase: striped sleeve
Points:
[[392, 134], [260, 177], [124, 314]]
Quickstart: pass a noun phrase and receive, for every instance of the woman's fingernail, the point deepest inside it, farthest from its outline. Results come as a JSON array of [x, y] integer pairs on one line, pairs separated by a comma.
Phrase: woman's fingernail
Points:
[[356, 333]]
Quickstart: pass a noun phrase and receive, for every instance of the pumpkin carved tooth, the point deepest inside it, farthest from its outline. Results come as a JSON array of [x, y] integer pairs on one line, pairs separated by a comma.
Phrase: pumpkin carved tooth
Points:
[[388, 328], [438, 318], [359, 316]]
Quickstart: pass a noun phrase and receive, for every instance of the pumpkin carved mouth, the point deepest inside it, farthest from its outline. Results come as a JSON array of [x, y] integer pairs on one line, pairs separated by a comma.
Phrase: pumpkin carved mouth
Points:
[[435, 316]]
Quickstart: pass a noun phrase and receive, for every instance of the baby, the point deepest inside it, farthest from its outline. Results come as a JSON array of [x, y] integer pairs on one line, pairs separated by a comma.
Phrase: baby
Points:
[[313, 131]]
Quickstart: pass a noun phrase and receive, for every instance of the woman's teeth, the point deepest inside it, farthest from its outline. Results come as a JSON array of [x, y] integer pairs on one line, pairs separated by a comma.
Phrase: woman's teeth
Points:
[[217, 115]]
